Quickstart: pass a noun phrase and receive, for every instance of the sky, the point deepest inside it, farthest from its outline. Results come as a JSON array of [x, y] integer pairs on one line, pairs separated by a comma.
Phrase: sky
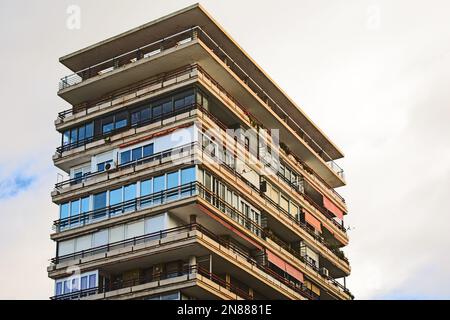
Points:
[[374, 75]]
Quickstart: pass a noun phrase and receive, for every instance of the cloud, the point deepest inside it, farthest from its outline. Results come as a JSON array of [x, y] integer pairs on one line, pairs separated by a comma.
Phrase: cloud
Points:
[[14, 185]]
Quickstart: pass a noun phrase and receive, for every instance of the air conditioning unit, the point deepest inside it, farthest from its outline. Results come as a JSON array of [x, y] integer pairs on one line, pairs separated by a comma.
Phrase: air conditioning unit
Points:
[[324, 272], [108, 166]]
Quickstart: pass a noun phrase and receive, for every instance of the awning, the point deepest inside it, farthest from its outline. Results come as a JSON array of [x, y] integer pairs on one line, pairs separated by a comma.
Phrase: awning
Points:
[[274, 259], [333, 208], [313, 221]]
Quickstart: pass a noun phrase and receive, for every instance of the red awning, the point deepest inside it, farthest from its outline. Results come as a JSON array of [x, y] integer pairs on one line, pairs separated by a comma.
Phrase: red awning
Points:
[[333, 208], [313, 221], [294, 272], [273, 258]]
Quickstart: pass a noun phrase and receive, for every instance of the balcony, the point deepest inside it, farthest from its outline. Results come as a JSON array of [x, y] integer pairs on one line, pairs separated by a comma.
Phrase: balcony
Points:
[[187, 273], [159, 158], [271, 278]]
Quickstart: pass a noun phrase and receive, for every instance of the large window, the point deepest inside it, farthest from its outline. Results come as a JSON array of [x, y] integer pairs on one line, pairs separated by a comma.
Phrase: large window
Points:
[[150, 112], [74, 284], [114, 122], [78, 134], [151, 191], [136, 153]]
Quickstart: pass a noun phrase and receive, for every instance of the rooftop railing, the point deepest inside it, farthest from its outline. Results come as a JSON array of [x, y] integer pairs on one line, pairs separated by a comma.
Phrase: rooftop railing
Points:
[[187, 36]]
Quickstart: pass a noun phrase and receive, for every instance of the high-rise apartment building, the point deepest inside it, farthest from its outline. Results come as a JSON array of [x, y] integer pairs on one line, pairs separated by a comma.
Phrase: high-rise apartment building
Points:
[[191, 175]]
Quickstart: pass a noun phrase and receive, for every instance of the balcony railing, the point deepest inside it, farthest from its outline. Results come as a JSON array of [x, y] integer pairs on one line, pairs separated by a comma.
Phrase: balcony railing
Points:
[[186, 36], [160, 118], [156, 198], [160, 156], [298, 287], [146, 84], [156, 277], [127, 58]]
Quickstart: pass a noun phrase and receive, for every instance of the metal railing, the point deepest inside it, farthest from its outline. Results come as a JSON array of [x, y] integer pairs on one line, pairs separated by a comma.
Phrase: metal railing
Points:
[[127, 58], [184, 37], [187, 271], [147, 84], [159, 156], [298, 287], [159, 118], [156, 198]]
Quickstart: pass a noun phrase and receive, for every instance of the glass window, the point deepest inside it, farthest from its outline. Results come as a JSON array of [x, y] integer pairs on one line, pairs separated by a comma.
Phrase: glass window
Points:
[[179, 104], [115, 196], [294, 210], [146, 187], [84, 283], [89, 130], [92, 281], [208, 181], [158, 185], [99, 200], [85, 204], [81, 133], [172, 182], [66, 286], [74, 284], [284, 203], [147, 150], [64, 210], [73, 135], [156, 111], [167, 107], [136, 154], [107, 124], [170, 296], [121, 120], [130, 192], [187, 175], [135, 117], [77, 176], [108, 127], [145, 114], [101, 167], [125, 156], [189, 100], [58, 290], [66, 137], [74, 207]]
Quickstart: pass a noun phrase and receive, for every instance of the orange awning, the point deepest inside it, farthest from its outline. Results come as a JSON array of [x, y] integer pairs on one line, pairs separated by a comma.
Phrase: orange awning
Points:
[[333, 208], [313, 221], [274, 259]]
